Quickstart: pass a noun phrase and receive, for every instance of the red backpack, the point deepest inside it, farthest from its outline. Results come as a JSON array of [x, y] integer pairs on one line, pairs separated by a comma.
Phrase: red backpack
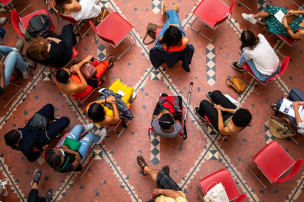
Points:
[[171, 103]]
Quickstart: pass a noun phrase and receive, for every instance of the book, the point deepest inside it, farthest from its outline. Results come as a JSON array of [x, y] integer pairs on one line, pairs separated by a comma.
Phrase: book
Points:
[[287, 108], [279, 15]]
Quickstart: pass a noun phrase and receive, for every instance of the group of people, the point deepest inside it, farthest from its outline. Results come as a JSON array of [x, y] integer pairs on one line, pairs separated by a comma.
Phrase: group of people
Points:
[[171, 46]]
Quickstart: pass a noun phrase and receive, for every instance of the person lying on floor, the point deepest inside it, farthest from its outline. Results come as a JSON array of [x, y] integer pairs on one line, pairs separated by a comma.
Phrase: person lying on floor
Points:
[[72, 81], [166, 123], [166, 188], [259, 55], [112, 105], [32, 140], [224, 116], [64, 158], [297, 96], [12, 61]]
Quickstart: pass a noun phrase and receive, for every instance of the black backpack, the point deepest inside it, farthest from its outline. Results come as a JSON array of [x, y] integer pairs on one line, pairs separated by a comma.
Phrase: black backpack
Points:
[[39, 25]]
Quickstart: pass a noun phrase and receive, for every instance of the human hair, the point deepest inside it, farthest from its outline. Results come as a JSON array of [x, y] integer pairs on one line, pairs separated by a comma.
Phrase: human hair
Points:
[[249, 40], [62, 76], [172, 37], [96, 112], [12, 137], [166, 121], [60, 5], [52, 159], [38, 49], [242, 117]]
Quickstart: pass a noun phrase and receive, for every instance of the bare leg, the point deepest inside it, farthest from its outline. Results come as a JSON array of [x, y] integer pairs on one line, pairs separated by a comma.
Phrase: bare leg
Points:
[[151, 172], [35, 185], [262, 14]]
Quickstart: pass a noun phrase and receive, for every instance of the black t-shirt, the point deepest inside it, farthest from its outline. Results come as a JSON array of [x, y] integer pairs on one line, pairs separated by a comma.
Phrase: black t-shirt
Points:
[[59, 55], [67, 164]]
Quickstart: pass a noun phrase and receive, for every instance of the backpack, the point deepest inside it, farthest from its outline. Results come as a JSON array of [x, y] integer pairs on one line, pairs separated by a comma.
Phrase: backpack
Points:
[[39, 25], [171, 103]]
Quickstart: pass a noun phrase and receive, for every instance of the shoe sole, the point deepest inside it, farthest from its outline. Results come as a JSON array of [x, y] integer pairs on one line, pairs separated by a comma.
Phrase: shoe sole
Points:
[[199, 115], [233, 67], [162, 6]]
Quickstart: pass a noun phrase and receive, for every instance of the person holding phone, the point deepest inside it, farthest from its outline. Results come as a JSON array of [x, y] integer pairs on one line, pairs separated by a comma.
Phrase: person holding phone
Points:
[[12, 60], [72, 82], [292, 24]]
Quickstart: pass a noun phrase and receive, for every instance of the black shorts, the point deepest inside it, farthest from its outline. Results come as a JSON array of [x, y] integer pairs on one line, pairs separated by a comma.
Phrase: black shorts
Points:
[[164, 181]]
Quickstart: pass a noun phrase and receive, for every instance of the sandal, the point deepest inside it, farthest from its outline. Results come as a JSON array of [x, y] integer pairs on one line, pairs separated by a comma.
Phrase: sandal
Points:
[[163, 5], [142, 164], [111, 59]]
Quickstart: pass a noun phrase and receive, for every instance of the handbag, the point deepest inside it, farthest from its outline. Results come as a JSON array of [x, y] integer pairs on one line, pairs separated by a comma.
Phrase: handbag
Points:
[[88, 71], [236, 84], [151, 31], [279, 129], [216, 194], [41, 122]]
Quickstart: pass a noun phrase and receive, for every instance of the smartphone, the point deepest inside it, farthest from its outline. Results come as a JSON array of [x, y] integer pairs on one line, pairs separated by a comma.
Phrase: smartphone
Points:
[[1, 57]]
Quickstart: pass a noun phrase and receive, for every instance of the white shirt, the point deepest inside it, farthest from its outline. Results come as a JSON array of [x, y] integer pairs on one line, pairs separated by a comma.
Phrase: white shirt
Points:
[[301, 128], [263, 56]]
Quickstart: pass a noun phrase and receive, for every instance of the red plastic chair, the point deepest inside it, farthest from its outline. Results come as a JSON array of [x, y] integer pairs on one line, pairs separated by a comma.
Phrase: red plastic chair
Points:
[[283, 67], [222, 176], [212, 13], [74, 53], [5, 2], [274, 161], [15, 18], [16, 85], [114, 29], [122, 122]]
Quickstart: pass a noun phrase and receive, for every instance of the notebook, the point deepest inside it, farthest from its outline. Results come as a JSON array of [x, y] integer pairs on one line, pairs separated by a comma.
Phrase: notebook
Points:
[[279, 15]]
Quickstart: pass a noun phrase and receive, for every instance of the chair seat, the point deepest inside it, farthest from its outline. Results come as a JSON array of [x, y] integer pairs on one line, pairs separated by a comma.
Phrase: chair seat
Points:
[[288, 40], [273, 161], [224, 177], [5, 2], [25, 20], [114, 28], [248, 69], [211, 11]]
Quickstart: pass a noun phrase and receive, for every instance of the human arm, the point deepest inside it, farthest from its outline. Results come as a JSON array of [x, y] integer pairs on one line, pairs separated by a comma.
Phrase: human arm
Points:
[[2, 77], [292, 12], [296, 110], [221, 128], [50, 39], [167, 192], [73, 7], [298, 35], [32, 155], [185, 41], [115, 117]]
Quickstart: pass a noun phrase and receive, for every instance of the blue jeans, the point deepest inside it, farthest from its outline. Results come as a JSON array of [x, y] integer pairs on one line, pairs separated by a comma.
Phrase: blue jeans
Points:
[[253, 68], [86, 141], [12, 60], [172, 19]]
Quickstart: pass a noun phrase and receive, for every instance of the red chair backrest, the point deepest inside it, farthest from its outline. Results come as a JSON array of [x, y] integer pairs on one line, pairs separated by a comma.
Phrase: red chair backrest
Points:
[[225, 18], [5, 2], [294, 171], [283, 67], [15, 18], [93, 26], [98, 33], [67, 18]]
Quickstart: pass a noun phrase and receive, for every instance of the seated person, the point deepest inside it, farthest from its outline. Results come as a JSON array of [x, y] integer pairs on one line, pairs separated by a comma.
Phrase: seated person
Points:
[[53, 52], [63, 159], [167, 189], [31, 140], [297, 102], [224, 116], [291, 25], [12, 60], [112, 105], [77, 9], [172, 36], [72, 82], [259, 55], [34, 193], [165, 123]]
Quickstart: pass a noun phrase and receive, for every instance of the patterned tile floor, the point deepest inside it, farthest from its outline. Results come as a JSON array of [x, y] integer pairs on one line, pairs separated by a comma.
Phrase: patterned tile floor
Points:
[[114, 174]]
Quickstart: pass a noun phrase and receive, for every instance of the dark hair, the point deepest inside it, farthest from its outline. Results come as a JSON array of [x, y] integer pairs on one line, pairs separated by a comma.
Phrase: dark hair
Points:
[[241, 118], [249, 40], [52, 159], [38, 49], [12, 137], [166, 121], [60, 5], [96, 112], [172, 37], [62, 76]]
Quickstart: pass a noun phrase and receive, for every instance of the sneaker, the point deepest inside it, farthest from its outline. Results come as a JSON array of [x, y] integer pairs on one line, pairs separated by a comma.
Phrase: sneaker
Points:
[[100, 91], [88, 127], [37, 176], [3, 187], [196, 110], [249, 17], [27, 72], [209, 93], [163, 5], [176, 7], [234, 65], [19, 45], [49, 195], [134, 95], [259, 20], [102, 134], [2, 20]]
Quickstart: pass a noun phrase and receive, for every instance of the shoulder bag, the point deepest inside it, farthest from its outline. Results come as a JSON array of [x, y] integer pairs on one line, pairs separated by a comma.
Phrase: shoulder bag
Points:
[[279, 129], [236, 84], [88, 71], [41, 122], [151, 31]]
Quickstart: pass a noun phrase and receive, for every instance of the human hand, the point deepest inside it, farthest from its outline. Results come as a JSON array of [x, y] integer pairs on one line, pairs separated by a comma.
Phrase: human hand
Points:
[[284, 21], [219, 107], [63, 146], [295, 105], [78, 157], [87, 59], [75, 68], [291, 12], [111, 99], [45, 147], [156, 192]]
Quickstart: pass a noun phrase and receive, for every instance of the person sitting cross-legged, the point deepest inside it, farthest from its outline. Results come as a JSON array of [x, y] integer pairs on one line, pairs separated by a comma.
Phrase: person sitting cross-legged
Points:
[[164, 123], [167, 189], [32, 140], [63, 159], [224, 116], [259, 55]]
